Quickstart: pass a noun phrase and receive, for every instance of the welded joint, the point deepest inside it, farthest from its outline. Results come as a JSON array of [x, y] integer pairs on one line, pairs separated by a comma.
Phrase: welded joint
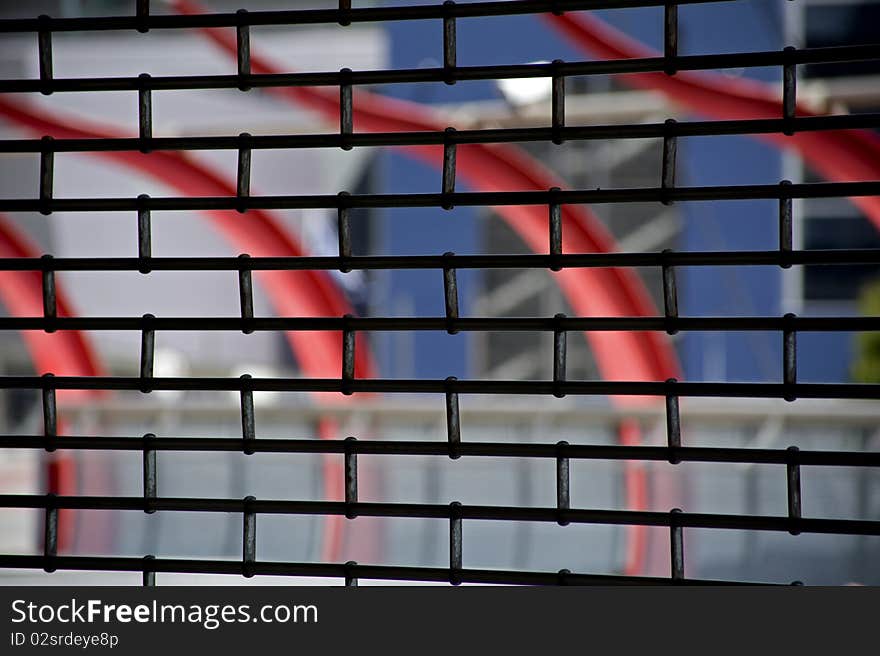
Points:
[[789, 357], [563, 483], [670, 39], [555, 210], [246, 294], [148, 574], [142, 14], [789, 92], [243, 172], [351, 478], [670, 296], [562, 576], [248, 421], [145, 232], [449, 44], [50, 533], [249, 537], [351, 579], [44, 53], [453, 420], [50, 413], [348, 348], [448, 183], [793, 479], [455, 539], [148, 349], [343, 229], [145, 112], [450, 295], [344, 11], [557, 103], [676, 546], [50, 302], [667, 174], [673, 425], [243, 49], [47, 174], [560, 354], [150, 474], [346, 109]]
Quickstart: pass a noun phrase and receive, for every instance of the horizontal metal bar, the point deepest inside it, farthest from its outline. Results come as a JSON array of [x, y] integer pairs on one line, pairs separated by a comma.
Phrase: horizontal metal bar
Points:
[[441, 386], [339, 570], [499, 135], [318, 16], [463, 73], [473, 449], [471, 199], [575, 260], [464, 324], [442, 511]]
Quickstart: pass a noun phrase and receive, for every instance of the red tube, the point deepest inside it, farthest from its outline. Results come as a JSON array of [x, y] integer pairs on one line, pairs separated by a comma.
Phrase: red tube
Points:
[[839, 155]]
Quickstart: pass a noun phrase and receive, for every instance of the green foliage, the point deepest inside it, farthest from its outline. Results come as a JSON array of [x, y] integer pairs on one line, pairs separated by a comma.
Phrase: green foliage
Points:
[[866, 367]]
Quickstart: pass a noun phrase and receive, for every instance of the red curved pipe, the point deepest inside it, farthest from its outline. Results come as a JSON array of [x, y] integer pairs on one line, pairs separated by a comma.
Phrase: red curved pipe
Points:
[[502, 167], [839, 155], [64, 353], [292, 293]]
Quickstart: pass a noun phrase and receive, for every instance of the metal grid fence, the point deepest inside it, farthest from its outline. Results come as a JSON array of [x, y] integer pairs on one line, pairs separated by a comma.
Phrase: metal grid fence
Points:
[[789, 460]]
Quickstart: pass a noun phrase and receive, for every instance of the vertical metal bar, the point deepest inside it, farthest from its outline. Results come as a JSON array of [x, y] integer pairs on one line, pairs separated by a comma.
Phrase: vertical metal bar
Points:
[[351, 478], [344, 9], [448, 168], [44, 51], [243, 173], [245, 294], [789, 357], [450, 294], [557, 103], [559, 355], [145, 239], [449, 45], [143, 14], [793, 470], [50, 304], [47, 174], [150, 474], [670, 38], [676, 544], [343, 230], [248, 420], [453, 420], [249, 538], [350, 577], [346, 110], [670, 296], [563, 483], [789, 92], [667, 182], [455, 538], [50, 413], [563, 576], [785, 225], [148, 348], [50, 533], [673, 425], [145, 112], [148, 578], [348, 346], [243, 49], [555, 228]]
